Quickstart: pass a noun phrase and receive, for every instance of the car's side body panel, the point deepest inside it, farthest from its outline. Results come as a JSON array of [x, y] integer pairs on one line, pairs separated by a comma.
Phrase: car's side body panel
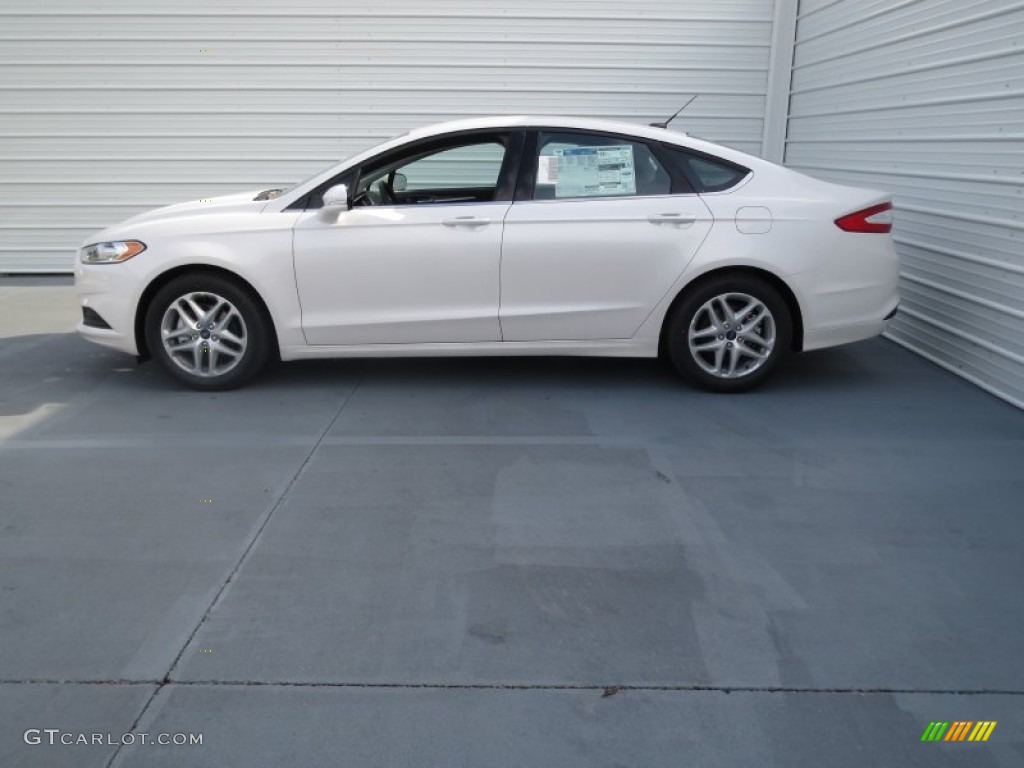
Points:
[[405, 274], [588, 269], [838, 278], [254, 245]]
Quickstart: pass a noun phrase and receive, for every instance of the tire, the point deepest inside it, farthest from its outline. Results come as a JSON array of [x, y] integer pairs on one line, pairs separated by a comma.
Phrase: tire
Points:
[[224, 356], [717, 351]]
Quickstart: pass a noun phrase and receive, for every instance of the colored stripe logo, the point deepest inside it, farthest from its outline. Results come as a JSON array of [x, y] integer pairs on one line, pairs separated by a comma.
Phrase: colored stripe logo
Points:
[[958, 730]]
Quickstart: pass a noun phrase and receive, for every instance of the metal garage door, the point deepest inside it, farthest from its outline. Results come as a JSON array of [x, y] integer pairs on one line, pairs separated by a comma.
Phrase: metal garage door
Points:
[[926, 99], [112, 107]]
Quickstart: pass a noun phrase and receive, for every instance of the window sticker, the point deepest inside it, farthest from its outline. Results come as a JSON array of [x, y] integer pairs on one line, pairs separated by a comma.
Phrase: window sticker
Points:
[[593, 171], [547, 169]]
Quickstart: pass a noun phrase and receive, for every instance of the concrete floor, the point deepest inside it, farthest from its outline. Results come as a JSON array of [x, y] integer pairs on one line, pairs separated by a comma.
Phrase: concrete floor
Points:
[[448, 562]]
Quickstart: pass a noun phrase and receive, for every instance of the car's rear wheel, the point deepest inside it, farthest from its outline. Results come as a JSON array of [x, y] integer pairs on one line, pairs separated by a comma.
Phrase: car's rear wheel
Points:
[[207, 332], [728, 334]]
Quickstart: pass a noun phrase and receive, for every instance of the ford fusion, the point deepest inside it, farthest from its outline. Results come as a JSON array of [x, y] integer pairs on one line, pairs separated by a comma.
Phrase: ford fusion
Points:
[[503, 236]]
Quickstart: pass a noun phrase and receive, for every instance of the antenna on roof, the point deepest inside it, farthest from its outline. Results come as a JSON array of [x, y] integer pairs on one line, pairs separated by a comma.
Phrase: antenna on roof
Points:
[[665, 124]]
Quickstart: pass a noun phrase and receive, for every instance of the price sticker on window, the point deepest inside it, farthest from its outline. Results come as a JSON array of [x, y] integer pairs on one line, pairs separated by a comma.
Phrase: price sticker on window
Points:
[[594, 171]]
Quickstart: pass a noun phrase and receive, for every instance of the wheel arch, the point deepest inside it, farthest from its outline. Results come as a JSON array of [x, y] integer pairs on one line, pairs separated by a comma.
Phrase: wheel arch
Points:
[[158, 282], [776, 282]]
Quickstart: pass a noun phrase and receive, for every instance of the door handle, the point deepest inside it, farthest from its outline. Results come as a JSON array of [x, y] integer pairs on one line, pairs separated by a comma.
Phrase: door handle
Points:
[[466, 221], [679, 219]]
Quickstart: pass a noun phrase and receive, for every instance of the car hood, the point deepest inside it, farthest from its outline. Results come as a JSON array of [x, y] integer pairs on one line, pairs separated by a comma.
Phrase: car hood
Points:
[[240, 202]]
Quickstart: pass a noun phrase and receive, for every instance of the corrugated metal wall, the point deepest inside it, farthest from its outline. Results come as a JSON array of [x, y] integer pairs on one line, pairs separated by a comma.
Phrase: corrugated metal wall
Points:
[[113, 107], [926, 99]]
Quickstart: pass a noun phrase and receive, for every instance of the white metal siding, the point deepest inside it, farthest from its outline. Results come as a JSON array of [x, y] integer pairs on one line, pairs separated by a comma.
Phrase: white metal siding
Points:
[[926, 99], [110, 108]]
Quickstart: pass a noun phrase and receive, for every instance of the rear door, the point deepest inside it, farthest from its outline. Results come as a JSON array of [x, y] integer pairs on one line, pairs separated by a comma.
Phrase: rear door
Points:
[[597, 235]]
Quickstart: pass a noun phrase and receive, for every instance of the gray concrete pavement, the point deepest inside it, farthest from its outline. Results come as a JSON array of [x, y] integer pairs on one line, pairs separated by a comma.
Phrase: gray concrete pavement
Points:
[[446, 562]]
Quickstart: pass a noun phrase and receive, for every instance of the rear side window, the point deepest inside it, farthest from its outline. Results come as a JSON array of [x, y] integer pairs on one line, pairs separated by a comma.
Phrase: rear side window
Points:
[[580, 165], [707, 174]]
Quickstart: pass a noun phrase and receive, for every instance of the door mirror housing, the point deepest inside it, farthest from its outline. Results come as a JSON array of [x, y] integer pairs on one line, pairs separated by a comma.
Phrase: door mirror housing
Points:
[[335, 200]]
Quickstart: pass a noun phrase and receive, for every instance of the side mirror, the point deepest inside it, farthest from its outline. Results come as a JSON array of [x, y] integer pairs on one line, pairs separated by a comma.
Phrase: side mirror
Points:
[[400, 182], [335, 200]]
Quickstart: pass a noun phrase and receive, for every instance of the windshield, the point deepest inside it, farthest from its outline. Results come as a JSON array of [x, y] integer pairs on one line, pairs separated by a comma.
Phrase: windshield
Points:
[[270, 194]]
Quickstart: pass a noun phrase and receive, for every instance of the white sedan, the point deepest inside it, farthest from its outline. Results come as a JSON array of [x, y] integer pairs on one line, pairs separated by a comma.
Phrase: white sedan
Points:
[[503, 236]]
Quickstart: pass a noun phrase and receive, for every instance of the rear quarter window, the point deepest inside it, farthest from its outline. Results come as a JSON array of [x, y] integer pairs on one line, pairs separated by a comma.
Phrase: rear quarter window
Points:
[[707, 174]]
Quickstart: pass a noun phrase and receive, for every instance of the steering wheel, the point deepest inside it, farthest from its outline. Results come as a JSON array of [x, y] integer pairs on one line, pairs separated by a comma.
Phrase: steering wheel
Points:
[[377, 193], [387, 195], [366, 198]]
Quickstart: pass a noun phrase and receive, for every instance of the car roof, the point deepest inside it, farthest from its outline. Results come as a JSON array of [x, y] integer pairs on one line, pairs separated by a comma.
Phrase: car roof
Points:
[[547, 121], [648, 132]]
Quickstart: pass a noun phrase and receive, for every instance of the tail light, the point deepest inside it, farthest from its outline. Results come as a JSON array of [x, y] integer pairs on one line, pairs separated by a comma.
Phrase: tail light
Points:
[[877, 218]]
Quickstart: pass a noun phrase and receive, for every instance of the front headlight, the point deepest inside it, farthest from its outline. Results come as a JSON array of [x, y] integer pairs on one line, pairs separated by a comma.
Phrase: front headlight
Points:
[[111, 253]]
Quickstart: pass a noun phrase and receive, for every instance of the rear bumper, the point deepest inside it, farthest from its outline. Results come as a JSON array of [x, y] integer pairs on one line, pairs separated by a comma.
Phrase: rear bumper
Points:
[[852, 295], [820, 338]]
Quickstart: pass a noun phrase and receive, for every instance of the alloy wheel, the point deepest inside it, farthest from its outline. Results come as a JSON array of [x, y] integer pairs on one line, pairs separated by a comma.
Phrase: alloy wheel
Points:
[[204, 334], [732, 335]]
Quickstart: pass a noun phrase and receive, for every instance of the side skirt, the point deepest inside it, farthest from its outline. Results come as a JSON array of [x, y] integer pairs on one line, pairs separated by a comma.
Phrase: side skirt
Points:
[[613, 348]]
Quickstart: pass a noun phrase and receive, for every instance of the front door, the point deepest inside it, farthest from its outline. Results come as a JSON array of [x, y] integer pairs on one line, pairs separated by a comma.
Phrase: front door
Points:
[[416, 258]]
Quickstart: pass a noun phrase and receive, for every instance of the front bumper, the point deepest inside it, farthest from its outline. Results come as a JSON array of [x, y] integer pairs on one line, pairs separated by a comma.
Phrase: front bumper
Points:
[[112, 291]]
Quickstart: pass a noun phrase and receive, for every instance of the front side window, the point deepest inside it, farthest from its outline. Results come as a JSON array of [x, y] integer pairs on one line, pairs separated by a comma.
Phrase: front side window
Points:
[[583, 165], [454, 174]]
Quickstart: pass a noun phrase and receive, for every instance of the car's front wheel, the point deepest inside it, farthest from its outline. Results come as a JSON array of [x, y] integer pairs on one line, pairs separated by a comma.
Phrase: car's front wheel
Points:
[[207, 332], [728, 334]]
